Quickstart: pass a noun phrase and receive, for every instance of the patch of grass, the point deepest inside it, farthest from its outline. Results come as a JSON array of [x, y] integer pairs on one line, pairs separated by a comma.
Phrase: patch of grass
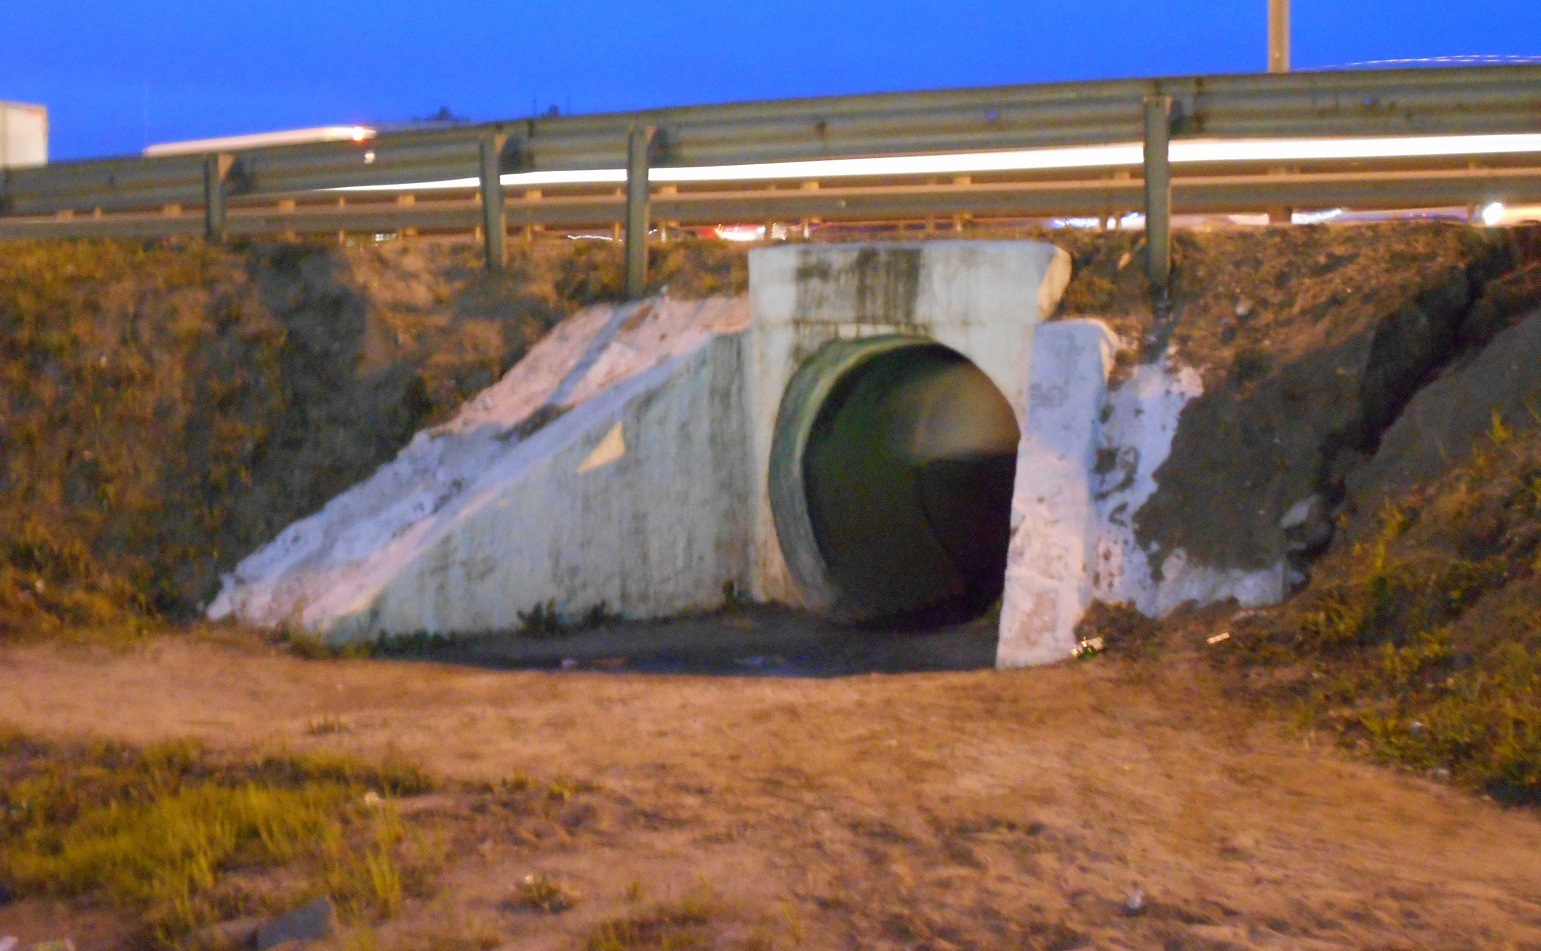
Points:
[[677, 927], [311, 646], [545, 622], [1420, 642], [166, 831], [540, 892]]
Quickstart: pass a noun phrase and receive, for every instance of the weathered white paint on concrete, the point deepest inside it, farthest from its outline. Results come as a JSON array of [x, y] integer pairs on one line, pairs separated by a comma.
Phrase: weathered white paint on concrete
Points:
[[1141, 419], [1053, 517], [1073, 532], [489, 515], [981, 298]]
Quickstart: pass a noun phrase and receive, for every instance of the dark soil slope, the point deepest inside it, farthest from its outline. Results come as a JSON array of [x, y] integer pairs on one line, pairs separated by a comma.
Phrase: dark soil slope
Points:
[[1310, 341]]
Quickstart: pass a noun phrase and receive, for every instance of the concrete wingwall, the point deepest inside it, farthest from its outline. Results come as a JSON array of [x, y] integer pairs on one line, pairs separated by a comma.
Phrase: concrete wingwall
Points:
[[605, 469], [635, 505]]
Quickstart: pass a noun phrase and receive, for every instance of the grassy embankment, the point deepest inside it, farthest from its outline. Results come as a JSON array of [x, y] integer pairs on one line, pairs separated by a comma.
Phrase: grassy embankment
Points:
[[1420, 643], [177, 839]]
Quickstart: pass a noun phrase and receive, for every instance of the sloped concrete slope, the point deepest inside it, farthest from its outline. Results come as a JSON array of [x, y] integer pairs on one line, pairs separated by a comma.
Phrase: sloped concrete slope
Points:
[[606, 468]]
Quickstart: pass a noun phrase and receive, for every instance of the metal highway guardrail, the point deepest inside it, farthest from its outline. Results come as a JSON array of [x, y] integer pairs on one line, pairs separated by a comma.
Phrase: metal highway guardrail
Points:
[[454, 178]]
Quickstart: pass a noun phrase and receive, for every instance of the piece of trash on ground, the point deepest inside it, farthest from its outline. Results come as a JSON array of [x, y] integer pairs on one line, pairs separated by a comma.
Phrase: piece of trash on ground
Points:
[[1135, 903]]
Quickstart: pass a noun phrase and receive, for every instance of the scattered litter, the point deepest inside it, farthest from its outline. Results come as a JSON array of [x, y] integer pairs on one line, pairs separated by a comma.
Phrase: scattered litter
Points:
[[569, 663], [1222, 636], [372, 799], [309, 922], [1135, 903], [1242, 615], [750, 662], [1089, 647]]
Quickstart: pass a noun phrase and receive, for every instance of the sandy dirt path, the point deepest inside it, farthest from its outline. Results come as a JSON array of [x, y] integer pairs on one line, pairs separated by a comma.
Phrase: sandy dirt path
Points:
[[955, 810]]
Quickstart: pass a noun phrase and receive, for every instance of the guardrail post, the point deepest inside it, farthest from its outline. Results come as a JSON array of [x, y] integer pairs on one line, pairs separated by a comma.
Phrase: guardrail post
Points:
[[1158, 194], [638, 142], [215, 169], [494, 213]]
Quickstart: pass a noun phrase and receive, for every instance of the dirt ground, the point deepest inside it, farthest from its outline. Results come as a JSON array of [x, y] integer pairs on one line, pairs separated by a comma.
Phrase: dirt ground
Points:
[[969, 809]]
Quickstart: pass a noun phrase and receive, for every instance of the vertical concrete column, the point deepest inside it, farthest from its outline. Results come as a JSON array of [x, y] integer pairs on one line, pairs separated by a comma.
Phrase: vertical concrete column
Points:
[[215, 168], [637, 146], [494, 214], [1158, 193]]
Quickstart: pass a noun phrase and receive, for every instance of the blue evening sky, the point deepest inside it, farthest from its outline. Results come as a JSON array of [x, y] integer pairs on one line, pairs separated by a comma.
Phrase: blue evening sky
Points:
[[118, 74]]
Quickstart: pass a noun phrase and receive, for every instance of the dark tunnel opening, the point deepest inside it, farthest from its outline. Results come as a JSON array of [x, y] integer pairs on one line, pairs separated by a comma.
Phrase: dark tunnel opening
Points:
[[907, 458]]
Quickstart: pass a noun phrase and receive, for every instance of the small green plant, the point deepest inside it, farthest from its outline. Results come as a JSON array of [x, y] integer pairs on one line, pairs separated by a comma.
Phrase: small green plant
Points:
[[734, 601], [677, 927], [543, 622], [327, 726], [311, 646], [596, 616], [541, 892]]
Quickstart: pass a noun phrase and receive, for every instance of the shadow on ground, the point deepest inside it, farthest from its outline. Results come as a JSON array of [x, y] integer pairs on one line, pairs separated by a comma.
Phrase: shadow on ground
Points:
[[753, 642]]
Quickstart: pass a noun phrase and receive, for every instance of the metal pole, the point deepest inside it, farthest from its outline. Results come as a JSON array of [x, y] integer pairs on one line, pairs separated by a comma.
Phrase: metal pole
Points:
[[1278, 36], [1158, 193], [215, 168], [638, 142], [494, 214]]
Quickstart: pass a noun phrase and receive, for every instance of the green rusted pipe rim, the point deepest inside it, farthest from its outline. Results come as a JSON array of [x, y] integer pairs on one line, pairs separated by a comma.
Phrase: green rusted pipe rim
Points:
[[872, 526]]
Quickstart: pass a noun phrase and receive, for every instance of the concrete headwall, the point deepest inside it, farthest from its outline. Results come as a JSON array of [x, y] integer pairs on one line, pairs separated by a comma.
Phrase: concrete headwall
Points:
[[980, 298]]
